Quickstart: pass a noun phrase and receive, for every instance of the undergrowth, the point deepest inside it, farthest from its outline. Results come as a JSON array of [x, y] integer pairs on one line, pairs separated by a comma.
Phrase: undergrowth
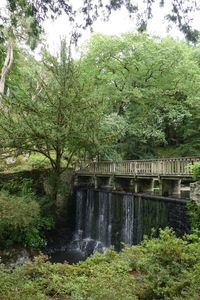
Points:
[[160, 268]]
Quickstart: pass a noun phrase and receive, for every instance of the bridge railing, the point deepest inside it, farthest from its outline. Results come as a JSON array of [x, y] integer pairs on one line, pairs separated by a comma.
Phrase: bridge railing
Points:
[[167, 166]]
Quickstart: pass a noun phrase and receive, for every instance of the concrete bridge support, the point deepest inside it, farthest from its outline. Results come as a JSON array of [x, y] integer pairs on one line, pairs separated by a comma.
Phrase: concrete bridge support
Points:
[[144, 185], [171, 187], [134, 185], [122, 184], [154, 185], [83, 181]]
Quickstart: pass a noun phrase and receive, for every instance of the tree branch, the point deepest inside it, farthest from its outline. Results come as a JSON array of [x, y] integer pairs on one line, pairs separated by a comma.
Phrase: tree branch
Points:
[[6, 67]]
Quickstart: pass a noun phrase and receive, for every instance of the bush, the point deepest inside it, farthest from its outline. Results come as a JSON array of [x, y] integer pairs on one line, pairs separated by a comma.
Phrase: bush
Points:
[[196, 170], [23, 217], [19, 221], [194, 216], [27, 224], [165, 268]]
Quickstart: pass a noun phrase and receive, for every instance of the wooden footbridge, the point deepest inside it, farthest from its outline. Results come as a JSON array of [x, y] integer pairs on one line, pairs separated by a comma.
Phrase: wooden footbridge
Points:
[[162, 176]]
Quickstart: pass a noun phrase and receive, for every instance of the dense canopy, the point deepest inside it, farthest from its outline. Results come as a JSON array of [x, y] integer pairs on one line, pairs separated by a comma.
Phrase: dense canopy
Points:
[[84, 13], [128, 97]]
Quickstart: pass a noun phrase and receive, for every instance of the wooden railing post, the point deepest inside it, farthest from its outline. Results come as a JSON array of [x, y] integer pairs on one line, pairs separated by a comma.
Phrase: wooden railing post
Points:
[[131, 167], [171, 166], [114, 167]]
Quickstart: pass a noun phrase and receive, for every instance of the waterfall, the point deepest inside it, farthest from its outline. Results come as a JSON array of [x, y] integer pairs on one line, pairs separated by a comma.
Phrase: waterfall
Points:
[[105, 218], [128, 217]]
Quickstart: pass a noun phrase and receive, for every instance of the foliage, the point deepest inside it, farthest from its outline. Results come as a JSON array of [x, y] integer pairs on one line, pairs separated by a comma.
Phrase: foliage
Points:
[[164, 268], [127, 97], [112, 128], [196, 170], [84, 15], [19, 225], [37, 160], [26, 224], [24, 162], [34, 161], [17, 24], [194, 215], [153, 85], [56, 113], [190, 132]]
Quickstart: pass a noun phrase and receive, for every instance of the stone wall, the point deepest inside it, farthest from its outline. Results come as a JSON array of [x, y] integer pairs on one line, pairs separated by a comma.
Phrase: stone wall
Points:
[[36, 175], [195, 192], [41, 179]]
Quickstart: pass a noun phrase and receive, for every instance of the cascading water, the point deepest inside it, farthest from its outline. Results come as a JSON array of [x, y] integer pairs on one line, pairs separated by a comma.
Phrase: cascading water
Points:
[[93, 222], [105, 218], [128, 218]]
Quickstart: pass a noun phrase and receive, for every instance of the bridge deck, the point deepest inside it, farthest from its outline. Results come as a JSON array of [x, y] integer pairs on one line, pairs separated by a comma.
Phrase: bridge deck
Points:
[[176, 167]]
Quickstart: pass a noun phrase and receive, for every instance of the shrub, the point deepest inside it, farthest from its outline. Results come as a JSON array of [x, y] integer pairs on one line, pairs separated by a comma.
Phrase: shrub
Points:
[[196, 170], [24, 217], [165, 268], [19, 221], [194, 216]]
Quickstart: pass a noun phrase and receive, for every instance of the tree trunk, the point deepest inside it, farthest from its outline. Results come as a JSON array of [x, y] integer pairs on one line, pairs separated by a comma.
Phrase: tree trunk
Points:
[[6, 67], [56, 176]]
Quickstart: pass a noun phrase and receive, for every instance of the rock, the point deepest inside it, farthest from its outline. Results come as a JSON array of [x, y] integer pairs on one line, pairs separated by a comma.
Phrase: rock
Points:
[[15, 257], [195, 192], [22, 258], [10, 160]]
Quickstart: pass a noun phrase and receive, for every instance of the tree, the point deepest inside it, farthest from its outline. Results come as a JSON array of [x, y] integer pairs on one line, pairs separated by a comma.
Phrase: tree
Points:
[[6, 67], [191, 127], [190, 133], [15, 26], [24, 19], [152, 83], [180, 12], [53, 108]]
